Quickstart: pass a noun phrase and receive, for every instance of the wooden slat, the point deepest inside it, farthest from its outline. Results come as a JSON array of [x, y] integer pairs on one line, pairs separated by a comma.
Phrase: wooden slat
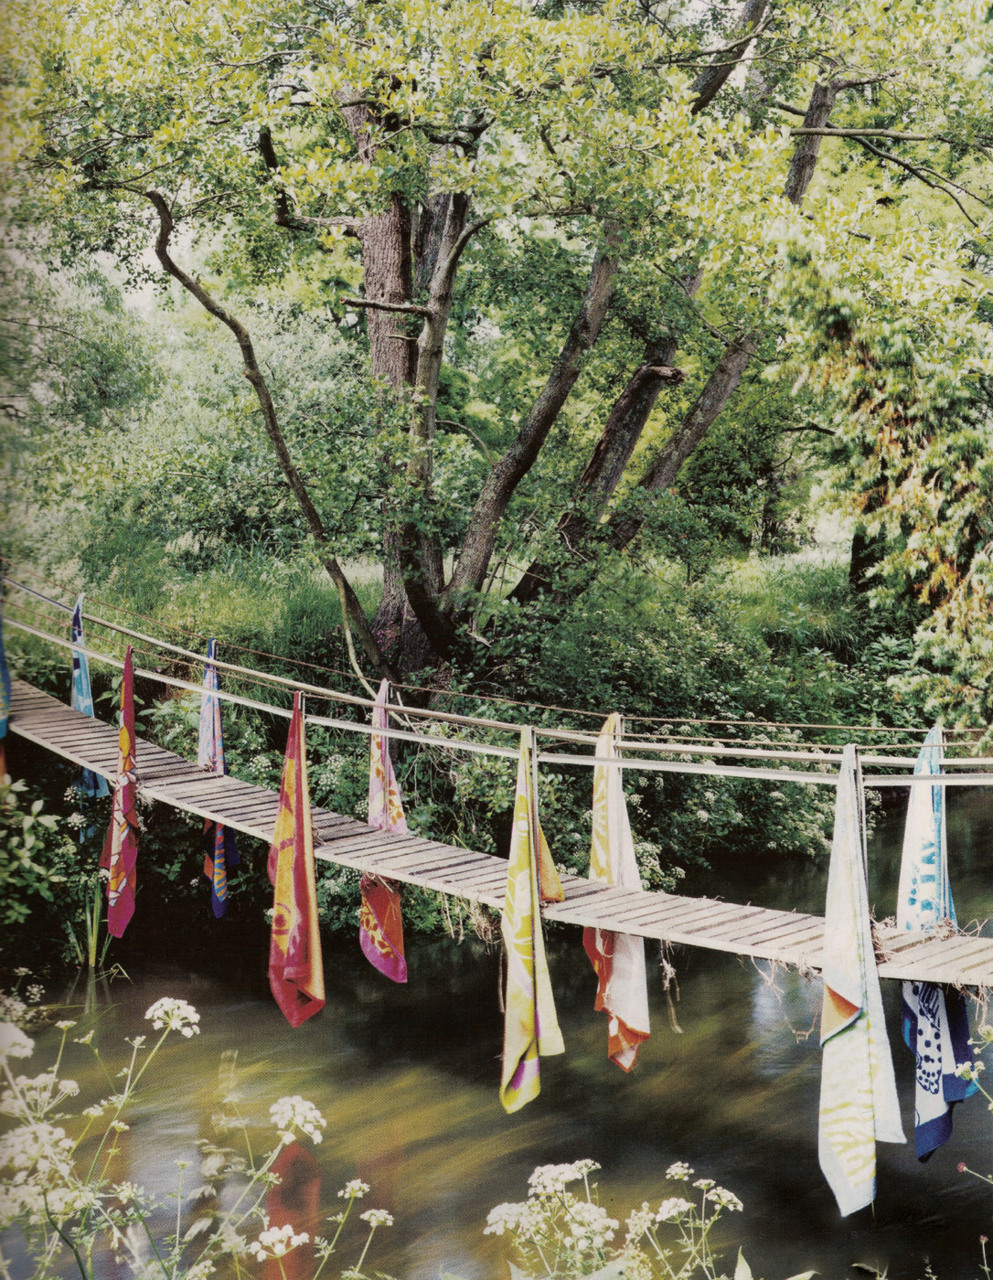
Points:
[[744, 929]]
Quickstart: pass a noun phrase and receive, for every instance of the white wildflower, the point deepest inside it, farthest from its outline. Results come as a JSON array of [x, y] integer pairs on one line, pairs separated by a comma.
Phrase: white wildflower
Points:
[[678, 1172], [354, 1190], [725, 1199], [75, 820], [201, 1270], [64, 1026], [639, 1222], [174, 1015], [589, 1226], [377, 1218], [12, 1007], [13, 1042], [504, 1217], [552, 1179], [291, 1113], [274, 1242], [672, 1208], [704, 1184]]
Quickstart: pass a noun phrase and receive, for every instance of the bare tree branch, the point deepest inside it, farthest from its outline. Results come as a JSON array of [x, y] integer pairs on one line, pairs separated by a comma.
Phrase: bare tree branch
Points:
[[355, 615], [408, 308]]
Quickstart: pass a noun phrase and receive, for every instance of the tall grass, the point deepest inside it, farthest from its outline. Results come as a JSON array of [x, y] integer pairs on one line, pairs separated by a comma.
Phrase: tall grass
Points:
[[796, 604]]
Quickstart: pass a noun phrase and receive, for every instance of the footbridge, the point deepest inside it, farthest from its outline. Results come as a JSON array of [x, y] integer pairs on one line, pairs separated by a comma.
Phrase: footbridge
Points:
[[786, 937]]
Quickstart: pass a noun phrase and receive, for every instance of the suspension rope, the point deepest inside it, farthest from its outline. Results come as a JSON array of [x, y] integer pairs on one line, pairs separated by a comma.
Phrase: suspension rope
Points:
[[449, 693], [816, 777]]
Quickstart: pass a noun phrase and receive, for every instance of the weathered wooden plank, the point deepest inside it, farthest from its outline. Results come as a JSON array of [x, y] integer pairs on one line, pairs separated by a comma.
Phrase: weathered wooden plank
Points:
[[376, 846], [941, 955], [414, 860]]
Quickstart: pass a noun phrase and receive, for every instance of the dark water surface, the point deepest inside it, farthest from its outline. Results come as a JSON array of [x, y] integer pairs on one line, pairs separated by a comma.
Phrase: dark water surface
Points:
[[407, 1078]]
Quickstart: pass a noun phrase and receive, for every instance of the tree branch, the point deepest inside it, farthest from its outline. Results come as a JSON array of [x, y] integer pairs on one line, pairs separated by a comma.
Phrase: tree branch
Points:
[[287, 217], [920, 172], [355, 612], [408, 308], [477, 547], [713, 78], [867, 133]]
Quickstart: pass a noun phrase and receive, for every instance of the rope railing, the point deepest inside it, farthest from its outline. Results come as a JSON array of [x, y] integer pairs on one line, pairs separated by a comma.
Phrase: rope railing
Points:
[[821, 776], [578, 737], [744, 723]]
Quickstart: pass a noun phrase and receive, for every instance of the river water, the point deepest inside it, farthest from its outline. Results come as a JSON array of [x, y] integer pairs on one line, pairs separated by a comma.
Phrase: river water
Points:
[[407, 1078]]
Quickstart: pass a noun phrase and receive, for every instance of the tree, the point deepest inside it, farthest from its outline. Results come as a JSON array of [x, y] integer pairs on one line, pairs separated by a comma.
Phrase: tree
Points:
[[659, 157]]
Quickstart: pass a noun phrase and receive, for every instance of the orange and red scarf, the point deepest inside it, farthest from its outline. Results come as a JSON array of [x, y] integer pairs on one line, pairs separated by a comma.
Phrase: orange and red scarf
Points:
[[120, 849], [296, 972]]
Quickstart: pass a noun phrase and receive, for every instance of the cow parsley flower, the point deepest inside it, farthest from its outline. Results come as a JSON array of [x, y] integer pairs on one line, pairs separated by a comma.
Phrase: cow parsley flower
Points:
[[589, 1226], [639, 1222], [377, 1218], [354, 1190], [296, 1113], [552, 1179], [275, 1242], [504, 1217], [672, 1208], [678, 1172], [725, 1199], [174, 1015], [14, 1043]]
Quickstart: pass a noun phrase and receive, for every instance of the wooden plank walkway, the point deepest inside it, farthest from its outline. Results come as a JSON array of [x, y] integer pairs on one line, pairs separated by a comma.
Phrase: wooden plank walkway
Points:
[[786, 937]]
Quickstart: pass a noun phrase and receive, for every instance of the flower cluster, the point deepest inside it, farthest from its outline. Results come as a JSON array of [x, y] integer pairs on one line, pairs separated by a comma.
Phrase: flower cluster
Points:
[[274, 1242], [527, 1220], [552, 1179], [174, 1015], [296, 1113], [377, 1218], [557, 1232], [354, 1190], [14, 1043], [33, 1095], [589, 1227], [672, 1208]]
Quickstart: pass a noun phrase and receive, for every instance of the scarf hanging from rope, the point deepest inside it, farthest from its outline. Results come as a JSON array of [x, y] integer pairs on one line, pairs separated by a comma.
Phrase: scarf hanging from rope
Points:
[[935, 1018], [858, 1103], [530, 1024], [380, 920], [618, 959], [120, 849], [296, 972], [220, 850]]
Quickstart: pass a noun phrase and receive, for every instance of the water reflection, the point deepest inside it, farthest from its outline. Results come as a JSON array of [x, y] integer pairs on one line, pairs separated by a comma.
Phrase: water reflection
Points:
[[408, 1076]]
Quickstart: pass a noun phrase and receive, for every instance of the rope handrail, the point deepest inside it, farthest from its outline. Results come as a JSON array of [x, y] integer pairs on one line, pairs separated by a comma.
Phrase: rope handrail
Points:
[[787, 751], [336, 695], [816, 777], [562, 735]]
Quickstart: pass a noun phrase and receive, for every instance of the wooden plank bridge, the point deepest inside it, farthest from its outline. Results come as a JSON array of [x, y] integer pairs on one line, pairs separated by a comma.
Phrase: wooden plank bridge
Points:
[[786, 937]]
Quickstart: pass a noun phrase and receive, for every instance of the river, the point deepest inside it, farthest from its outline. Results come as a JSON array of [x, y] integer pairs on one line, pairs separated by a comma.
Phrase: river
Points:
[[407, 1078]]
